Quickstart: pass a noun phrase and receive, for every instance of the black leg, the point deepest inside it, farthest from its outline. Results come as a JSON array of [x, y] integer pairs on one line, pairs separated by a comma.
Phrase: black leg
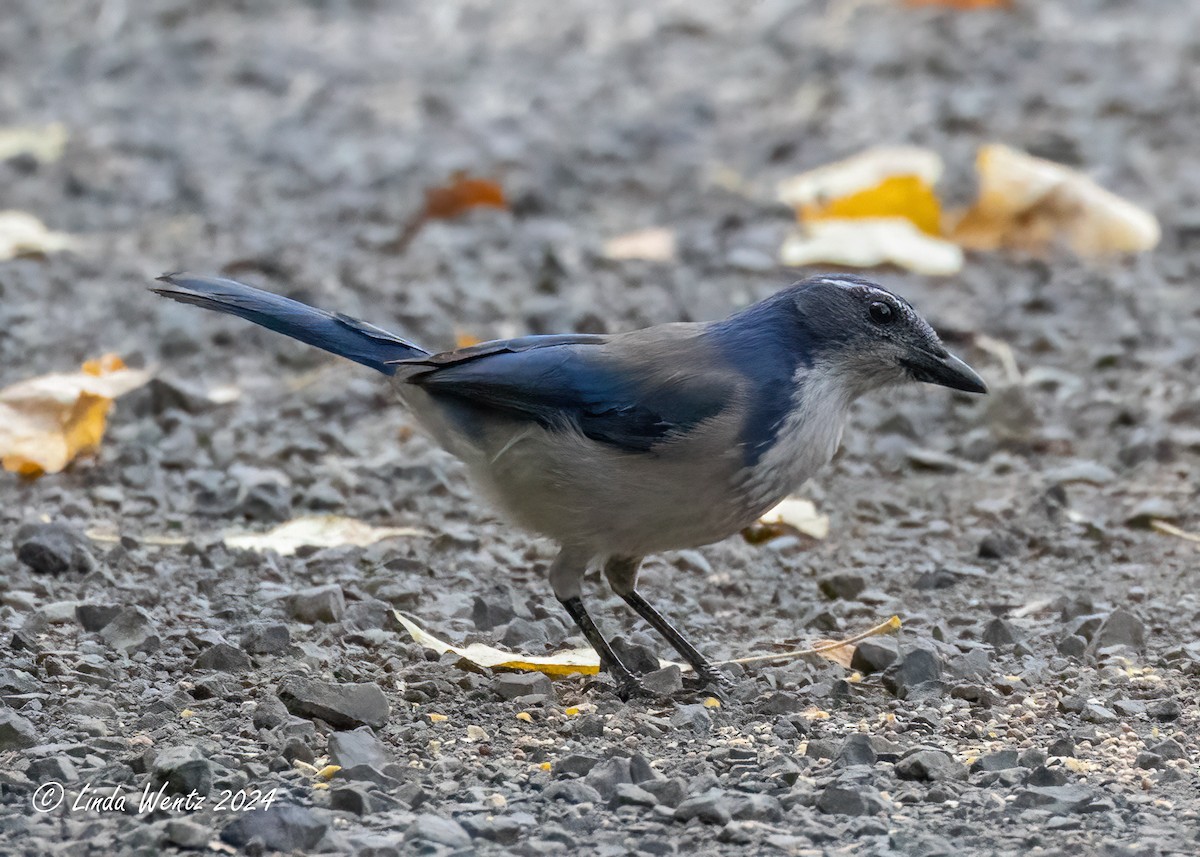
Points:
[[704, 668], [628, 684]]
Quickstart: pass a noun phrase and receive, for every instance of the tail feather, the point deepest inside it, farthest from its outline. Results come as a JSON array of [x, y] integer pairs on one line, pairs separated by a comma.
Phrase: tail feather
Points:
[[339, 334]]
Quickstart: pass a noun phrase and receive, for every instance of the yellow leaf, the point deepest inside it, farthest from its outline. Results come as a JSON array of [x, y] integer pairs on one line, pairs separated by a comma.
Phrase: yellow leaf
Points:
[[320, 785], [907, 197], [327, 772], [187, 713], [651, 245], [438, 718], [22, 234], [524, 716], [712, 702], [878, 207], [45, 143], [545, 766], [48, 421], [572, 711], [462, 339], [1029, 203], [318, 531]]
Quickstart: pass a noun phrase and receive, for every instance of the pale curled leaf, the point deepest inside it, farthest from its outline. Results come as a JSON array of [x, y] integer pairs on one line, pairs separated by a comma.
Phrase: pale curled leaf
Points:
[[320, 531], [567, 662], [1030, 203], [48, 421], [22, 234], [868, 243], [862, 172], [800, 515]]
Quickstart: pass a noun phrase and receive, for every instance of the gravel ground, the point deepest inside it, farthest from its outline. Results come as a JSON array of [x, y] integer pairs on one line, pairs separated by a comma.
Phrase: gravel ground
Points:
[[1042, 697]]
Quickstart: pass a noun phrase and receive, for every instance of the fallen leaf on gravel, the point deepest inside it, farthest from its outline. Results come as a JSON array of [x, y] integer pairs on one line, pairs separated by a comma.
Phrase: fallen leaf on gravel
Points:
[[796, 513], [320, 531], [22, 234], [650, 245], [869, 244], [48, 421], [44, 143], [462, 193], [566, 662], [887, 181], [839, 651], [875, 208], [1029, 203], [1172, 530]]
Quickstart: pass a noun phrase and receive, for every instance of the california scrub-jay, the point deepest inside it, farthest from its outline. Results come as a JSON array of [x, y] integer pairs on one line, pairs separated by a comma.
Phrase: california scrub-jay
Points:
[[618, 446]]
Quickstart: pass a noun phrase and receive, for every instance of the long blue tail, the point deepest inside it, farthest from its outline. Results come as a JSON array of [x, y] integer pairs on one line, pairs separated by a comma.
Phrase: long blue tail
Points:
[[339, 334]]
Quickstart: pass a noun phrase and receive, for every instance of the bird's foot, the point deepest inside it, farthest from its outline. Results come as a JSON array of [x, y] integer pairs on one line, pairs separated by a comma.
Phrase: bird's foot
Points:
[[709, 676]]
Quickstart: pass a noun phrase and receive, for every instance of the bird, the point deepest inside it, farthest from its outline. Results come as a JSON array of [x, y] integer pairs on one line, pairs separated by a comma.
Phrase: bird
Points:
[[618, 446]]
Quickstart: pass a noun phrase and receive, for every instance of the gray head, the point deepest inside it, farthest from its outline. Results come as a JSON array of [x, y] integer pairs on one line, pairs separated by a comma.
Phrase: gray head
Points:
[[874, 337], [858, 331]]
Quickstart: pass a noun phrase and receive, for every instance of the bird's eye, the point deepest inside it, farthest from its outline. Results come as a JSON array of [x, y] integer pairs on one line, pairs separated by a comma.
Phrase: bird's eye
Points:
[[881, 313]]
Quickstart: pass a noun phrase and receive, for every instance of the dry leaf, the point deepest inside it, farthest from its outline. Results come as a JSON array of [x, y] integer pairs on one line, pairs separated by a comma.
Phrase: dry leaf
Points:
[[878, 207], [45, 143], [462, 339], [839, 651], [461, 194], [650, 245], [567, 662], [22, 234], [794, 514], [869, 243], [1030, 203], [47, 422], [321, 531]]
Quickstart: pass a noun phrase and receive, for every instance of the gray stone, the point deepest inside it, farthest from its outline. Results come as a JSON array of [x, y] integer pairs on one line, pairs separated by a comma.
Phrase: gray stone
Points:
[[694, 717], [842, 586], [782, 702], [856, 750], [1072, 646], [16, 733], [712, 807], [607, 775], [266, 639], [931, 766], [131, 631], [222, 657], [571, 791], [59, 769], [576, 764], [350, 798], [665, 681], [186, 833], [1001, 760], [359, 747], [874, 655], [93, 617], [342, 706], [669, 792], [917, 667], [628, 794], [1059, 800], [184, 770], [845, 798], [514, 685], [1121, 628], [284, 827], [317, 604], [53, 549], [756, 807], [1000, 632]]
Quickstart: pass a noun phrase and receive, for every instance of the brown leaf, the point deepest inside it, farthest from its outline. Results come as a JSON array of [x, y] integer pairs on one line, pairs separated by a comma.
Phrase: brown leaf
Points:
[[461, 194]]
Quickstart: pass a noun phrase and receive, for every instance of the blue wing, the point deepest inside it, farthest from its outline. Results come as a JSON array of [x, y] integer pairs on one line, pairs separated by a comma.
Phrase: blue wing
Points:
[[576, 381]]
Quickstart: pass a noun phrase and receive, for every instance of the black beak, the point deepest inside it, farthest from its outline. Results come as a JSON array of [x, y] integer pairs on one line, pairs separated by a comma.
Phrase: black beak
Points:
[[945, 370]]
